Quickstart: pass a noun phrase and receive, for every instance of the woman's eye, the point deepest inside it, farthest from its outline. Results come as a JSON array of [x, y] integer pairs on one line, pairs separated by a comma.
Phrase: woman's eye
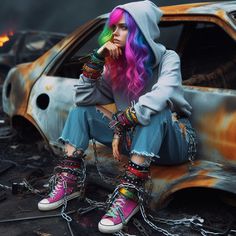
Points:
[[124, 27], [113, 28]]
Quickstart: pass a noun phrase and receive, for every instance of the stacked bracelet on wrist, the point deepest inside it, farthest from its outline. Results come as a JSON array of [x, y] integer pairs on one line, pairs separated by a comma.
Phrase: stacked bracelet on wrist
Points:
[[94, 67], [130, 114], [123, 121]]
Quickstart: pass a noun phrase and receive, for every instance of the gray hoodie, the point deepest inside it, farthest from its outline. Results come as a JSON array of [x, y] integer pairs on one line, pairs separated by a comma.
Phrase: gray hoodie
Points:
[[165, 87]]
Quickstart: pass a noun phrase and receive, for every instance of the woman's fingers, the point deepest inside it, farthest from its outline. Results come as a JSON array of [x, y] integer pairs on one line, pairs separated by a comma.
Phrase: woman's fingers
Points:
[[110, 49], [113, 50]]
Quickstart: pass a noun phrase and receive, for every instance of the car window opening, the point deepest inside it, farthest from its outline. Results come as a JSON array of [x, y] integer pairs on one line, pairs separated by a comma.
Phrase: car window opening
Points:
[[208, 58], [72, 65], [206, 52]]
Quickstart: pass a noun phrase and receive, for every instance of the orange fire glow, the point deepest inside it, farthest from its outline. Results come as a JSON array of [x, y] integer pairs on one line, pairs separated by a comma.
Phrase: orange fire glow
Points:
[[5, 37]]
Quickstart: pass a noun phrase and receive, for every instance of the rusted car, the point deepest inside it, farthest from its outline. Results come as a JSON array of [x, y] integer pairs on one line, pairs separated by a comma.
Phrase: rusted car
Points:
[[24, 46], [37, 96]]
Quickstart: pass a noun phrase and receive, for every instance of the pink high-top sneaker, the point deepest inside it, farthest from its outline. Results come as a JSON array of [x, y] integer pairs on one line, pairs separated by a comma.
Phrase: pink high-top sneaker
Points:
[[65, 188], [126, 204], [122, 208], [66, 184]]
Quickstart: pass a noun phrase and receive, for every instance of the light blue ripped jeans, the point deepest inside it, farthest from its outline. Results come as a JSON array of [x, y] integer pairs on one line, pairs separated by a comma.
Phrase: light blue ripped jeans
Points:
[[166, 140]]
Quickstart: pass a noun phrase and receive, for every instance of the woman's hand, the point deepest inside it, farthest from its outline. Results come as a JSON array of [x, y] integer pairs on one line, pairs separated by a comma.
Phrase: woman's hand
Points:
[[110, 49], [116, 147]]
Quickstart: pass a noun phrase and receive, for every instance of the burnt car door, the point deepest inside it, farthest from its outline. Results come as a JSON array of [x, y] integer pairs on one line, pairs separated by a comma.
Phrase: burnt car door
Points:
[[208, 57], [54, 92]]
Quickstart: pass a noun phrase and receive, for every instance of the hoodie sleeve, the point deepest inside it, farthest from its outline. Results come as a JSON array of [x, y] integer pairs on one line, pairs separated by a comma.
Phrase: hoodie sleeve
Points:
[[165, 92], [92, 92]]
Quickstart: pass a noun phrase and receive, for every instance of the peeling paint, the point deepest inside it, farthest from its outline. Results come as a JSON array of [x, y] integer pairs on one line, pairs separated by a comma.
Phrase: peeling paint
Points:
[[222, 136]]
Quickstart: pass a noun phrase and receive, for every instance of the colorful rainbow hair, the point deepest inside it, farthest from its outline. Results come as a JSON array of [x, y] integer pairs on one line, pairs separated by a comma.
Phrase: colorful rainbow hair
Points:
[[134, 67]]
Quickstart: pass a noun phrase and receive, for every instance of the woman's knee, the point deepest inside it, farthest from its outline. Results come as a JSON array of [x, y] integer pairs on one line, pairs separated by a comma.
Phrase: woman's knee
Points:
[[161, 116]]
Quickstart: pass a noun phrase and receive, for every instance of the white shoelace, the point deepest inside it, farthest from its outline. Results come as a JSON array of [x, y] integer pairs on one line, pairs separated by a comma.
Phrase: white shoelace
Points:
[[118, 204]]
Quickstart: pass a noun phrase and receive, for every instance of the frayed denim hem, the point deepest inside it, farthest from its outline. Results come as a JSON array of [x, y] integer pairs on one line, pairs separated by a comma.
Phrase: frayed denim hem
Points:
[[144, 154], [67, 141]]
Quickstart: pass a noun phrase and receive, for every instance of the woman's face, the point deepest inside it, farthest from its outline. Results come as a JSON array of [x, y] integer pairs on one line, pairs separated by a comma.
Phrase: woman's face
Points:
[[120, 32]]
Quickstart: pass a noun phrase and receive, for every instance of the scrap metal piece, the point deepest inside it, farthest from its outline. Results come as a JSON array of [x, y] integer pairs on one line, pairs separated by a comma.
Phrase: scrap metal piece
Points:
[[7, 133]]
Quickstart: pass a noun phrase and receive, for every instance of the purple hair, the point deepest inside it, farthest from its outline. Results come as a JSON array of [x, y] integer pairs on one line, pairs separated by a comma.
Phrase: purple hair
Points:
[[133, 68]]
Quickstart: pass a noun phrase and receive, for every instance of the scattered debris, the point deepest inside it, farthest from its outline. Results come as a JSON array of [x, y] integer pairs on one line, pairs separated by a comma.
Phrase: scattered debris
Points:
[[7, 133], [5, 165], [35, 158], [41, 233], [3, 195], [14, 146]]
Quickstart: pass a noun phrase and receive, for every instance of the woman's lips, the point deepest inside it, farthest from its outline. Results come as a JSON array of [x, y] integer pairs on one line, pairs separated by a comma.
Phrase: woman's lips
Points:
[[115, 41]]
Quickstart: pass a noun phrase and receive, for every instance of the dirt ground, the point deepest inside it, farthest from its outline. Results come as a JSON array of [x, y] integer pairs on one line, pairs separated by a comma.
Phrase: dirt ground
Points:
[[19, 215]]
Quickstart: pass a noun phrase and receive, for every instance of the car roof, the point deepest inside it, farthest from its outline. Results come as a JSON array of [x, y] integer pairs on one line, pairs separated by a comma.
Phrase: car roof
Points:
[[197, 8], [222, 13], [201, 8], [226, 11]]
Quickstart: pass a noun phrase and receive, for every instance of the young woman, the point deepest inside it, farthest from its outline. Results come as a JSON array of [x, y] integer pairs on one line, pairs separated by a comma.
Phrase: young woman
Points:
[[143, 78]]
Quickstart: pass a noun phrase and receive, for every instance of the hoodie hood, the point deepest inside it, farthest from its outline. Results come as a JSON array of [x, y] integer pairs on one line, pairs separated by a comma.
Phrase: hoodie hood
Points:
[[147, 16]]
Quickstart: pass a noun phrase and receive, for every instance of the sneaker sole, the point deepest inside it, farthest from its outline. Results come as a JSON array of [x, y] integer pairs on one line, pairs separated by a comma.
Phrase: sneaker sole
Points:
[[109, 229], [55, 205]]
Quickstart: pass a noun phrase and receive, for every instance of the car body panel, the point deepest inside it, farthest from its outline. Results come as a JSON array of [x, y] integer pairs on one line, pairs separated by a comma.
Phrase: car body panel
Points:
[[214, 109], [214, 116], [167, 180]]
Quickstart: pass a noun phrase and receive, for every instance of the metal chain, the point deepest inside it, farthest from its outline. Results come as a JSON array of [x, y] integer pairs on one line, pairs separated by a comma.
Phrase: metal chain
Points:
[[199, 227], [140, 227], [70, 229], [30, 188], [159, 229], [5, 187], [92, 206], [63, 214], [184, 221], [103, 177], [121, 233], [81, 182], [27, 186], [192, 148]]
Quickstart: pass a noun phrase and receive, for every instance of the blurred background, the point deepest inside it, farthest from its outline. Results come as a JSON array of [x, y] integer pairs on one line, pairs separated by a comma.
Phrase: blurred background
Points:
[[58, 16]]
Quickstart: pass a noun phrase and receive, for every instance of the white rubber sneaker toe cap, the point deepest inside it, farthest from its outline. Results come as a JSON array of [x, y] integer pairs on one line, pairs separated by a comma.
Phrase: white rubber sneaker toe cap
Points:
[[106, 222], [43, 201], [108, 227]]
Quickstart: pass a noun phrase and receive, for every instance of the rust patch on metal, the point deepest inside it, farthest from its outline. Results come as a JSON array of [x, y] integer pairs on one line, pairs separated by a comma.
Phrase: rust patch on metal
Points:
[[198, 181], [203, 172], [169, 173], [48, 87], [221, 14], [182, 8], [221, 135]]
